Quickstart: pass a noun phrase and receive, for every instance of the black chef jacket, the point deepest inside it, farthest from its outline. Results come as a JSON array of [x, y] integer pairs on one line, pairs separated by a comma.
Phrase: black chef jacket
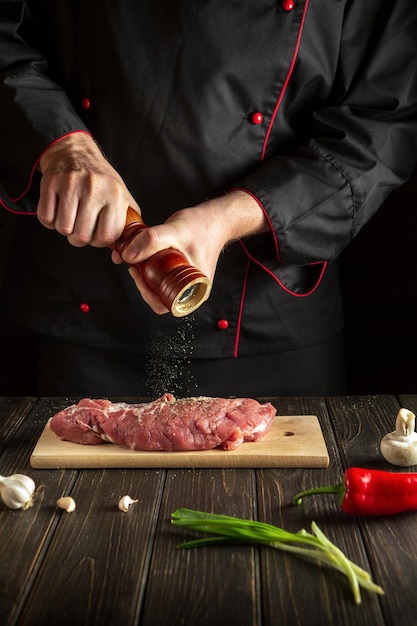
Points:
[[310, 106]]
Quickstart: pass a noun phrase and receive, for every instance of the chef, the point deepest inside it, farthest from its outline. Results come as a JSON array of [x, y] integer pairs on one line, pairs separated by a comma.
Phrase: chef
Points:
[[257, 137]]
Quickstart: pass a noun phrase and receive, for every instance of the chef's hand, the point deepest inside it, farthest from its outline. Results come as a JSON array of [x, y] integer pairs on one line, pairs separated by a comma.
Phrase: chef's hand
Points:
[[200, 232], [81, 195]]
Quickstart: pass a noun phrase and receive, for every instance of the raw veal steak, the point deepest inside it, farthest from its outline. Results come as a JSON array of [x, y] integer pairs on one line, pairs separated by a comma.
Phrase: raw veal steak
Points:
[[166, 424]]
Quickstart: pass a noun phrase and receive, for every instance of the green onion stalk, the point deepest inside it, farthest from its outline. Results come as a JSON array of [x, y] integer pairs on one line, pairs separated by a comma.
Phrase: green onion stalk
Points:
[[313, 546]]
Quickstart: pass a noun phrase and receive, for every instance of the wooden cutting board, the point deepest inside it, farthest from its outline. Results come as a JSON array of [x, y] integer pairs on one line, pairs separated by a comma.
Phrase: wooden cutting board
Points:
[[293, 441]]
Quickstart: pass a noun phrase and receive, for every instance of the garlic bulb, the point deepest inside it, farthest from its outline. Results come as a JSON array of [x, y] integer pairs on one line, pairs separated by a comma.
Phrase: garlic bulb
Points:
[[67, 503], [125, 502], [400, 446], [16, 491]]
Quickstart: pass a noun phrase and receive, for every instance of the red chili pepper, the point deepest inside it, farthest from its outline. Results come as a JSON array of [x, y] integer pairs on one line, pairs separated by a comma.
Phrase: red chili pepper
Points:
[[372, 492]]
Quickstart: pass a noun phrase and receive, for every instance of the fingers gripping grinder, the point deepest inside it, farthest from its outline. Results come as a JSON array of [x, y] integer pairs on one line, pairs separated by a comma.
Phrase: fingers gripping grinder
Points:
[[181, 287]]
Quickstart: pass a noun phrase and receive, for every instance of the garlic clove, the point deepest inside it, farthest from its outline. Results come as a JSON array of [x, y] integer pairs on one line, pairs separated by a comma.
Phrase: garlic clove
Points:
[[400, 446], [16, 491], [66, 503], [125, 502]]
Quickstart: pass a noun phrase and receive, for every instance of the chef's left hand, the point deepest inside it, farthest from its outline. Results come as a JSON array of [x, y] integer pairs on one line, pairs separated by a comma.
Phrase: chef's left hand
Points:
[[200, 232]]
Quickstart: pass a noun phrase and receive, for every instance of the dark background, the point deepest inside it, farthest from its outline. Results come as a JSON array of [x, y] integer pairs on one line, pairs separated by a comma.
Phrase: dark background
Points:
[[379, 279], [379, 282]]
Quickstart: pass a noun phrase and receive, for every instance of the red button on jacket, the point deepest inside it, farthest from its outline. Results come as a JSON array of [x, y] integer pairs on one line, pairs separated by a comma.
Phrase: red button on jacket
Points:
[[222, 324], [257, 118]]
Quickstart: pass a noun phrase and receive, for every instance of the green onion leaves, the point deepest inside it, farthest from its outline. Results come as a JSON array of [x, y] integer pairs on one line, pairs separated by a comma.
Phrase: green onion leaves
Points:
[[315, 547]]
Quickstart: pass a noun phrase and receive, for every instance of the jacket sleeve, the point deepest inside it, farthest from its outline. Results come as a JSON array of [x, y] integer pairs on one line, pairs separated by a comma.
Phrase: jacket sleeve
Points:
[[361, 145], [28, 125]]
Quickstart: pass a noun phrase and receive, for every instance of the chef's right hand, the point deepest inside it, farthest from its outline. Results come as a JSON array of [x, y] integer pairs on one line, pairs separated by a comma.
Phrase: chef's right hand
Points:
[[200, 232], [81, 195]]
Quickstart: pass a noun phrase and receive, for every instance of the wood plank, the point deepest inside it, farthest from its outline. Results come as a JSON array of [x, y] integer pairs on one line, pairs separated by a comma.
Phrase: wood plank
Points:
[[360, 423], [293, 441], [205, 586], [12, 412], [96, 566], [391, 541], [24, 535], [299, 592]]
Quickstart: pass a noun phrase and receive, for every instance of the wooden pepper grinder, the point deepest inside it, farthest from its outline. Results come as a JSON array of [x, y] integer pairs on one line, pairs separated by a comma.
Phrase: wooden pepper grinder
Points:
[[181, 287]]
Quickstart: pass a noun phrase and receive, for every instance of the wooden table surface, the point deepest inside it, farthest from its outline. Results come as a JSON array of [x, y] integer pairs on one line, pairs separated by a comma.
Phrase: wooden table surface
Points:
[[98, 566]]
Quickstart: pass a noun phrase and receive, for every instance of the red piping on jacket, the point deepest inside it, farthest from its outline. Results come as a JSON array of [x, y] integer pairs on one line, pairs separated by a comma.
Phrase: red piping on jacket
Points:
[[286, 81], [252, 258], [292, 293], [265, 145], [268, 219], [32, 173], [16, 212], [242, 301]]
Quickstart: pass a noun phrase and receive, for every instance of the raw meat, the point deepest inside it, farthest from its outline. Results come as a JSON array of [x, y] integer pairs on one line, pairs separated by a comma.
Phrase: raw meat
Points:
[[166, 424]]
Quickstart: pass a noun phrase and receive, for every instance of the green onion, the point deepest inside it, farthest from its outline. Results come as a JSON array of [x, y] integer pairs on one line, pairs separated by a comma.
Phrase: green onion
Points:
[[236, 530]]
